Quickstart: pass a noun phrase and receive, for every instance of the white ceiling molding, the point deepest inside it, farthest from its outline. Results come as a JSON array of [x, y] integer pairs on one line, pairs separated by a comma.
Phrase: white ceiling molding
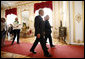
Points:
[[12, 4]]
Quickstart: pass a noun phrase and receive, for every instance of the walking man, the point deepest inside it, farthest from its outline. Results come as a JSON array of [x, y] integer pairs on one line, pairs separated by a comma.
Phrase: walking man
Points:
[[40, 33]]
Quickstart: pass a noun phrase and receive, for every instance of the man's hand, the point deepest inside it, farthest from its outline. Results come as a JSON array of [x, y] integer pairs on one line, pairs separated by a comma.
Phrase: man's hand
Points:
[[38, 35]]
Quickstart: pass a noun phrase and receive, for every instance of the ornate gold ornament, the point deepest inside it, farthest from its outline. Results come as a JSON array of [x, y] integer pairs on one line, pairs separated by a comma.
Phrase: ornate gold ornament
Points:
[[78, 17]]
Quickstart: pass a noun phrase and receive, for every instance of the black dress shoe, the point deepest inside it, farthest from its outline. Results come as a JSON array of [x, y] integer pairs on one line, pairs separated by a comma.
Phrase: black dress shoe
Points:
[[11, 43], [18, 43], [33, 51], [48, 55], [52, 46]]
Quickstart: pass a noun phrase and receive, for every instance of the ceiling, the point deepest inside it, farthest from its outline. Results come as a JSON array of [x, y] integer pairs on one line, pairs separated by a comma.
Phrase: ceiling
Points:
[[7, 4]]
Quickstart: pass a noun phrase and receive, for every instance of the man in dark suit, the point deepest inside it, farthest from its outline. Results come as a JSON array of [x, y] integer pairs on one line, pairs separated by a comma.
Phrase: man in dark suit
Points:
[[40, 33], [48, 31]]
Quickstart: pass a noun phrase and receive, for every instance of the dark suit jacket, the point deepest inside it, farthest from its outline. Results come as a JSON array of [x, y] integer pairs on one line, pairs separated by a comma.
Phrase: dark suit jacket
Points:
[[47, 27], [39, 25]]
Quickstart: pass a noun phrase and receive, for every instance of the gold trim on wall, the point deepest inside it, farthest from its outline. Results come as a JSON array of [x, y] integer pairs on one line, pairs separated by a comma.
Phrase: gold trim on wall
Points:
[[68, 21], [33, 2], [73, 22], [78, 41], [61, 12], [59, 9], [83, 18]]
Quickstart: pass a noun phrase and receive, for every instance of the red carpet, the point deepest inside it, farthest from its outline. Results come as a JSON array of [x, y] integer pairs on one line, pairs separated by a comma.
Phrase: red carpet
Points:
[[60, 51]]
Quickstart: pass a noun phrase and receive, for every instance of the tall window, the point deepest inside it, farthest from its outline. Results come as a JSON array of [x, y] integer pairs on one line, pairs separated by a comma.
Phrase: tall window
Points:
[[10, 18]]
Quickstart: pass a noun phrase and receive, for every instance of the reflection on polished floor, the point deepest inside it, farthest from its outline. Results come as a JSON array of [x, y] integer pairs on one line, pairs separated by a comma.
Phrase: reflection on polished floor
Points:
[[27, 40]]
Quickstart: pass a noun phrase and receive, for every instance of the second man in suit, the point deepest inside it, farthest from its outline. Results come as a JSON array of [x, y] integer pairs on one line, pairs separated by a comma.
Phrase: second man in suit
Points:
[[48, 31]]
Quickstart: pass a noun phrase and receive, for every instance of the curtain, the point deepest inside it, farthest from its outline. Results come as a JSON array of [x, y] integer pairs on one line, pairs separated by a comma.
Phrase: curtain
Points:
[[11, 11], [47, 4]]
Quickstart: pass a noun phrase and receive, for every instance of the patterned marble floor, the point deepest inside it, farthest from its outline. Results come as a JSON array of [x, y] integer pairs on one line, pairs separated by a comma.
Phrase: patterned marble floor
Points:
[[28, 40]]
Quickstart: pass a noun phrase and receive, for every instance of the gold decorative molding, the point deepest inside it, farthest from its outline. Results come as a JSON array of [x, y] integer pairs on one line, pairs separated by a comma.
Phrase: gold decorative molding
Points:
[[73, 22], [32, 2], [59, 9], [68, 21], [78, 17], [21, 3], [83, 18], [62, 10]]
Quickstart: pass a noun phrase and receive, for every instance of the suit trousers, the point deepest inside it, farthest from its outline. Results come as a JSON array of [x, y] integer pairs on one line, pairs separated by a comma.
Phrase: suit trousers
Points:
[[50, 39], [43, 45]]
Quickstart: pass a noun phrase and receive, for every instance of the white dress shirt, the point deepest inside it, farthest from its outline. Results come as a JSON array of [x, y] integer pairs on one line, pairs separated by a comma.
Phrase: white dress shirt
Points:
[[16, 25]]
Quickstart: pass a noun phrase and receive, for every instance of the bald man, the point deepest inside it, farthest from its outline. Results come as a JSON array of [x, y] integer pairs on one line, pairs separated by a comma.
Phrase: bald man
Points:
[[48, 30]]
